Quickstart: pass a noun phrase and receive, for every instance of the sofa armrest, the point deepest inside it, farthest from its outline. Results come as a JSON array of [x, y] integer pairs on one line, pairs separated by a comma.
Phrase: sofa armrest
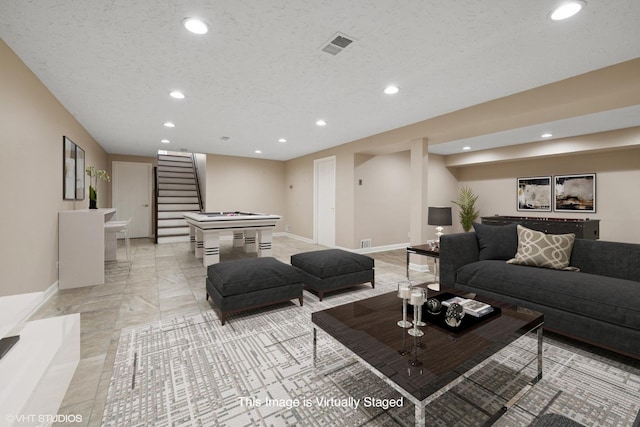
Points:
[[456, 250]]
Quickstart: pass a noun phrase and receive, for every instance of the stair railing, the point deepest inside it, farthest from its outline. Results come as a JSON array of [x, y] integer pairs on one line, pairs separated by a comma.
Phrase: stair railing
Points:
[[156, 194], [195, 172]]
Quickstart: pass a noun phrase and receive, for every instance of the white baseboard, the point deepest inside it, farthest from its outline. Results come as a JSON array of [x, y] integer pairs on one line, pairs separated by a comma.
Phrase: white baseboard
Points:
[[296, 237], [374, 249], [422, 268]]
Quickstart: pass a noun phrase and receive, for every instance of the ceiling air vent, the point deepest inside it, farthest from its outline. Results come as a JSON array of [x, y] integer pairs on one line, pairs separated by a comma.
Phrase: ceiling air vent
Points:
[[337, 44]]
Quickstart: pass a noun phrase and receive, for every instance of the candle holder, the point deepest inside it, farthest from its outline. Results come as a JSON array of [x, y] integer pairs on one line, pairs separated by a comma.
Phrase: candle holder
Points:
[[404, 292], [417, 299], [418, 319]]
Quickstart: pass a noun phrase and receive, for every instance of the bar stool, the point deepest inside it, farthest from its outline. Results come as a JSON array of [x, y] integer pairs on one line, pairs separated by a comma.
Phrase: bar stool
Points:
[[120, 227]]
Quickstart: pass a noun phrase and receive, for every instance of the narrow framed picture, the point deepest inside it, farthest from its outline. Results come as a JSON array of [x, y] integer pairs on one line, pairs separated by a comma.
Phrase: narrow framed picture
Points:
[[534, 194], [79, 173], [69, 169], [575, 193]]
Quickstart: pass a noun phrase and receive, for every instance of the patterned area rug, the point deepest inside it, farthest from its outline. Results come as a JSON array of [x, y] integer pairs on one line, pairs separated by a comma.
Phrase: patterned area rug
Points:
[[257, 370]]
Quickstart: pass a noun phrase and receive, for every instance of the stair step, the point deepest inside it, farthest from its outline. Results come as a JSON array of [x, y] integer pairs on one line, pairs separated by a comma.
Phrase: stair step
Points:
[[178, 156], [173, 239], [162, 174], [177, 193], [174, 163], [164, 169], [179, 200], [172, 231], [178, 207], [181, 187], [166, 223], [173, 214], [172, 180]]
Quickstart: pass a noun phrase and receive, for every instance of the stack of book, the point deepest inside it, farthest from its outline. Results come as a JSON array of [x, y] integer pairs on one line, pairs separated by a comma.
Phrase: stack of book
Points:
[[470, 306]]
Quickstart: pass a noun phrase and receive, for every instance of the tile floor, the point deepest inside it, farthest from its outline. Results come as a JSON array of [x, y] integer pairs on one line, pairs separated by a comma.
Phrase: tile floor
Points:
[[163, 281]]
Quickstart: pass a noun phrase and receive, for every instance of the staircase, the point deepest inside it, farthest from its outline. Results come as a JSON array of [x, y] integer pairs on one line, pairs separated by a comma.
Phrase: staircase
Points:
[[177, 191]]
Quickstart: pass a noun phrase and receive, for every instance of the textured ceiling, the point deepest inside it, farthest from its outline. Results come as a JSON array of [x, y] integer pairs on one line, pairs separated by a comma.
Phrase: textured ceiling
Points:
[[260, 75]]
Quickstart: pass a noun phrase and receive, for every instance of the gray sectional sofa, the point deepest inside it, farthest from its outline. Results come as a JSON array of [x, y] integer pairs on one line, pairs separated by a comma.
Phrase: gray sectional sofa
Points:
[[599, 304]]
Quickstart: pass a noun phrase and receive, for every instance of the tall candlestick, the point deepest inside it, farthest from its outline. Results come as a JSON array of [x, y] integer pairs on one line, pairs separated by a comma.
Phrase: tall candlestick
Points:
[[404, 292]]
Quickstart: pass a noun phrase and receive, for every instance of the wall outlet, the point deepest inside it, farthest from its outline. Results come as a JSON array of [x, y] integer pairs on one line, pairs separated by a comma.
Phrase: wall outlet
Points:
[[287, 228]]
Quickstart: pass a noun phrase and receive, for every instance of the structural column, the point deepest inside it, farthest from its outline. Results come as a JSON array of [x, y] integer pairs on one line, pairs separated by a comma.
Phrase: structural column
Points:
[[419, 201]]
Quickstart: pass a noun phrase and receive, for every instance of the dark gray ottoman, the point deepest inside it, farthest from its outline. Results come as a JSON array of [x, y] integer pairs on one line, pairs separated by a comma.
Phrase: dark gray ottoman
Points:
[[250, 283], [332, 269]]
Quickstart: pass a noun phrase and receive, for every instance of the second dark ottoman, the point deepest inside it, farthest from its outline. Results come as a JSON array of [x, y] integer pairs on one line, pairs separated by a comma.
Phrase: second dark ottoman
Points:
[[250, 283], [333, 269]]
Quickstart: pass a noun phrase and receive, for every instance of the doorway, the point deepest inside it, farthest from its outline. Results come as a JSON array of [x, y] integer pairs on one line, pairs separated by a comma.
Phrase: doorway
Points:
[[132, 196], [325, 201]]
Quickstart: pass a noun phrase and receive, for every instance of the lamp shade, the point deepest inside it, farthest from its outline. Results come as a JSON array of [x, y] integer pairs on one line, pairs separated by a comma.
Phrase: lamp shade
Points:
[[439, 215]]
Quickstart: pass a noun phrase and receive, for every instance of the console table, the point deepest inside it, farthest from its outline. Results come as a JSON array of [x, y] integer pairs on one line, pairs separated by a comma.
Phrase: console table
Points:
[[81, 247], [582, 228]]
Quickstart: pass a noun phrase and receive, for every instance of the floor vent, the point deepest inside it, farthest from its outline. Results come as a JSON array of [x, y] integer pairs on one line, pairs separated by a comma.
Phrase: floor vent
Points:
[[337, 44], [365, 243]]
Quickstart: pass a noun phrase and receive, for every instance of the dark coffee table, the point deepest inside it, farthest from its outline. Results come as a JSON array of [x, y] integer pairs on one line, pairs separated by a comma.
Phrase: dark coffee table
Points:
[[368, 329]]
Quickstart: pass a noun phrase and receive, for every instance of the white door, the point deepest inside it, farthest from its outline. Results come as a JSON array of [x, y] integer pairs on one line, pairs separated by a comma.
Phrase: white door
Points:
[[132, 196], [325, 201]]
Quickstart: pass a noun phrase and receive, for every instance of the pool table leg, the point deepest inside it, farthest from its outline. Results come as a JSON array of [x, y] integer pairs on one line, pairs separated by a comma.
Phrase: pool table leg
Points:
[[192, 238], [238, 239], [199, 242], [264, 245], [211, 248], [250, 241]]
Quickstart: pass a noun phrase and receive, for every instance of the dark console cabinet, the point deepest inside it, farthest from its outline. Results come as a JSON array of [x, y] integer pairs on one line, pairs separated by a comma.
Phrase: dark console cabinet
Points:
[[582, 228]]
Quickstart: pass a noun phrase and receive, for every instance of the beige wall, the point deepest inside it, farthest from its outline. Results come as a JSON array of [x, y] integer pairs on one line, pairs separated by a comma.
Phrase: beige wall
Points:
[[381, 198], [244, 184], [33, 124], [617, 193]]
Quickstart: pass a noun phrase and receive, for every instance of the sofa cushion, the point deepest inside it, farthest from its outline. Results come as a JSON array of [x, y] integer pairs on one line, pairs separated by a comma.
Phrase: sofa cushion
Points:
[[539, 249], [331, 262], [496, 241], [604, 298], [251, 274]]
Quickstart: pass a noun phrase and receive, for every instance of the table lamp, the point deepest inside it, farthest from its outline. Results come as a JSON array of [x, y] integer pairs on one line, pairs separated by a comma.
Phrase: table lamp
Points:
[[439, 216]]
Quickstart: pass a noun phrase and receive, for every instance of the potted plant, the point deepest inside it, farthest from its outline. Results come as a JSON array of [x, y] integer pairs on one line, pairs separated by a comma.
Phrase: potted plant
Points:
[[466, 201], [94, 175]]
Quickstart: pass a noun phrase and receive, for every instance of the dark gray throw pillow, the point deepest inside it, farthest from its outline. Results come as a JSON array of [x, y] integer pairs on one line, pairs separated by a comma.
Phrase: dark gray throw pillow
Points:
[[497, 241]]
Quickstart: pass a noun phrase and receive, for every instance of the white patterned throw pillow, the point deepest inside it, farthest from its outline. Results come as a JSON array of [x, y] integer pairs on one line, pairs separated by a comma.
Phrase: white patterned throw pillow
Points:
[[538, 249]]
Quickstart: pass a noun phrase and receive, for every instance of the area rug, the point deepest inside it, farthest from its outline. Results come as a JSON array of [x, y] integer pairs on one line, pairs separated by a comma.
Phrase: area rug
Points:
[[257, 370]]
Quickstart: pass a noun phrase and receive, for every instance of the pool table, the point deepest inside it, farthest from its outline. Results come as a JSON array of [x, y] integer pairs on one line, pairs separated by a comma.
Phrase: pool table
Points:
[[205, 229]]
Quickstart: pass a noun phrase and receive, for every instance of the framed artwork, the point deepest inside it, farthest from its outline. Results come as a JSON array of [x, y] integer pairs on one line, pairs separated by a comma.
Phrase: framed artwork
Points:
[[534, 194], [69, 169], [72, 170], [575, 193], [79, 173]]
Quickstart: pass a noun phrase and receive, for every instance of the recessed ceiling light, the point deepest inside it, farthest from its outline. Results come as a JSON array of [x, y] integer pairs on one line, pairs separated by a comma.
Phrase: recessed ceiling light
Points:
[[566, 10], [466, 148], [546, 135], [321, 123], [196, 26], [164, 141], [391, 89], [169, 124], [258, 151], [282, 140], [176, 94]]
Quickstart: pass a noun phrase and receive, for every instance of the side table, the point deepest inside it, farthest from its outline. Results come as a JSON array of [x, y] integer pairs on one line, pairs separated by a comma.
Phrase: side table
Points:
[[425, 250]]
